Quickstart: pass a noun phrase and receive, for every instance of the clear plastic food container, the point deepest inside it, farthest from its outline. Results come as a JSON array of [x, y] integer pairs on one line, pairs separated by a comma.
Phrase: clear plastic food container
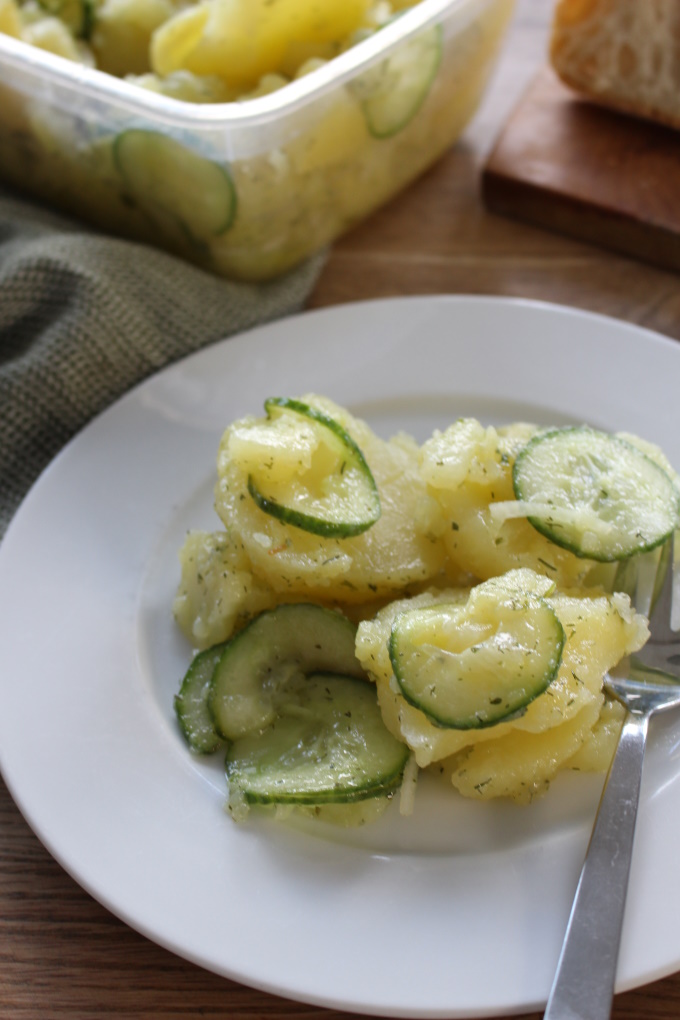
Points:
[[249, 189]]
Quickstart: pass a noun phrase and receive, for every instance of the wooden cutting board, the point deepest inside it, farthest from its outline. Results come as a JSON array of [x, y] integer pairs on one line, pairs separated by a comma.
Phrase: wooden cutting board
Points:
[[571, 166]]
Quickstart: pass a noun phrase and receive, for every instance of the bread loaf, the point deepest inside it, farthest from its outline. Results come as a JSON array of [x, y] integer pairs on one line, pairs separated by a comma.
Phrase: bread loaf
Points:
[[623, 53]]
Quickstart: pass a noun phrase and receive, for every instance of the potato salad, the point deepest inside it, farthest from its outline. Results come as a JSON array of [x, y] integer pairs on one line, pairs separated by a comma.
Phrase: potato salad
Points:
[[222, 130], [370, 608], [201, 51]]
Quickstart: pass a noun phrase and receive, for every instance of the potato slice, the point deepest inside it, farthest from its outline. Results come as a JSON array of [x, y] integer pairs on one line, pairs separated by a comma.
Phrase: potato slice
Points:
[[217, 590], [400, 550], [10, 19], [467, 468], [600, 744], [122, 33], [600, 630], [519, 765], [242, 40]]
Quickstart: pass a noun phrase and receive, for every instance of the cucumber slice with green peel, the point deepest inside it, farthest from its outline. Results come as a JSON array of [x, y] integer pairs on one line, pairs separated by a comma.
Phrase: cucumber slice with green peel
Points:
[[392, 92], [338, 500], [191, 704], [265, 662], [328, 745], [77, 15], [473, 665], [595, 494], [165, 176]]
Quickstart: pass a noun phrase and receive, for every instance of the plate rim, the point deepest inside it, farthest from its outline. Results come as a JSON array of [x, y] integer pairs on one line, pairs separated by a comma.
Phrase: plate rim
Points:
[[179, 366]]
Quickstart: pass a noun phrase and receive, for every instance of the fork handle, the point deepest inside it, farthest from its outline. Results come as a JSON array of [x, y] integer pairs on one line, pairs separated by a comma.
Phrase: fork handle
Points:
[[583, 987]]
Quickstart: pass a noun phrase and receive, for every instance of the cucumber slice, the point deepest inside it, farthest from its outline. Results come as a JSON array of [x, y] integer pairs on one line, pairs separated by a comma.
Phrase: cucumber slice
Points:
[[392, 92], [191, 704], [328, 745], [77, 15], [262, 664], [473, 665], [168, 179], [595, 494], [339, 501]]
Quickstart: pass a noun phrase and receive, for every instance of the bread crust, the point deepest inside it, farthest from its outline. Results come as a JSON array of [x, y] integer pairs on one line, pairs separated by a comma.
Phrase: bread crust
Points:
[[622, 53]]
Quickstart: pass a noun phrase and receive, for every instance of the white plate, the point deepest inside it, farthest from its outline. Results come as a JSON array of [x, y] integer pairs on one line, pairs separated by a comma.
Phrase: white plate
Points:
[[456, 912]]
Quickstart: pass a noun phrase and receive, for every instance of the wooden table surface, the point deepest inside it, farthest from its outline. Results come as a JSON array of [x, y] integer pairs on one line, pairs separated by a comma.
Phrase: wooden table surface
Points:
[[62, 955]]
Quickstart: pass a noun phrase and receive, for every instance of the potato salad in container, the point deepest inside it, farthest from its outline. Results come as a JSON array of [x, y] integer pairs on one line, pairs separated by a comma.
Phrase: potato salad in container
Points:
[[242, 135]]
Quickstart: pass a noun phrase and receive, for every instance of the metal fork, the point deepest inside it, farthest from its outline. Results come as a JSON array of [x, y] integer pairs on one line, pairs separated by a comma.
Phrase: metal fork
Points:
[[583, 987]]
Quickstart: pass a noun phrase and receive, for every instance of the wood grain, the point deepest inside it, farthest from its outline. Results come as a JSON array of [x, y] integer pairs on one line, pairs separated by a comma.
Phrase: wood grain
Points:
[[437, 237], [62, 955], [569, 165]]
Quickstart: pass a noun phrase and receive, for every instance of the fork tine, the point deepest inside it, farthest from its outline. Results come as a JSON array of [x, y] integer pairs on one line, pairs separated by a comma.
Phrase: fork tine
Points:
[[675, 582], [646, 569], [664, 626]]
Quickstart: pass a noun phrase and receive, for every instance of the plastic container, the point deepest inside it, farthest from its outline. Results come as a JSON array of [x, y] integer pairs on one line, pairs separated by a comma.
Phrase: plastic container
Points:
[[249, 189]]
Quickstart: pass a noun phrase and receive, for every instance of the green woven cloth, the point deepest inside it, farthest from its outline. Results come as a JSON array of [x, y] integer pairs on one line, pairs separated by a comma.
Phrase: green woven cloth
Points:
[[83, 317]]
